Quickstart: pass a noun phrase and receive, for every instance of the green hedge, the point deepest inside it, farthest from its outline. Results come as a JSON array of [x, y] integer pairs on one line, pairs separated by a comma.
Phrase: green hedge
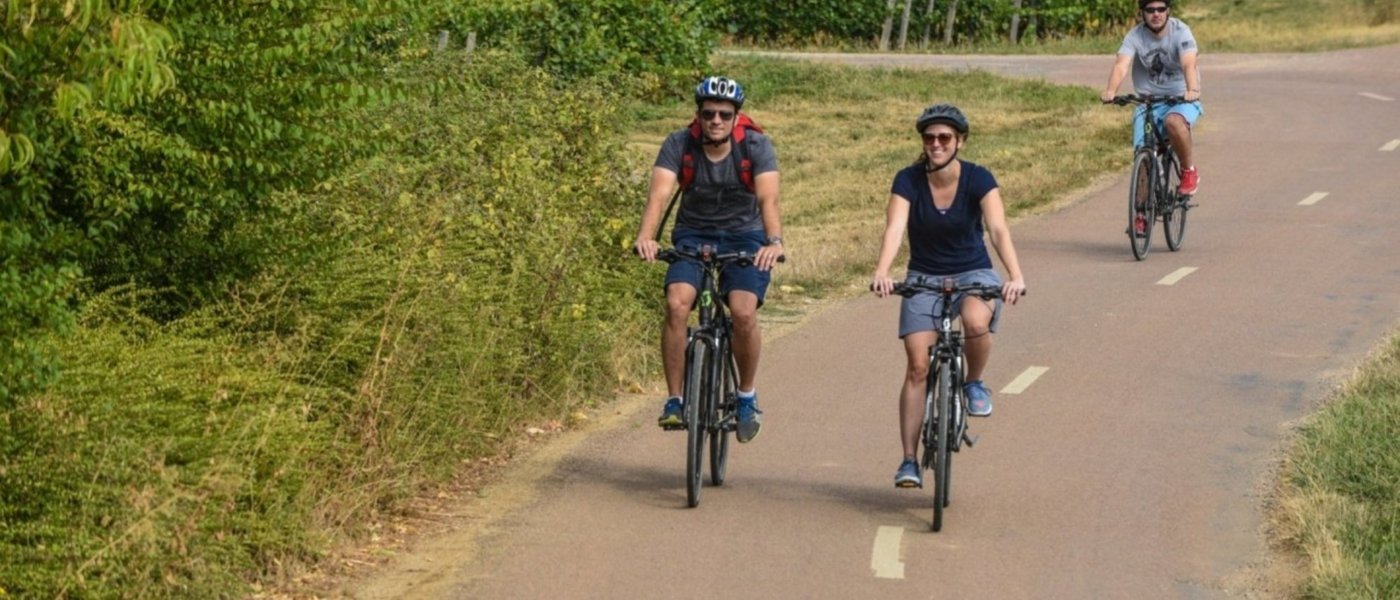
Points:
[[861, 21], [469, 280]]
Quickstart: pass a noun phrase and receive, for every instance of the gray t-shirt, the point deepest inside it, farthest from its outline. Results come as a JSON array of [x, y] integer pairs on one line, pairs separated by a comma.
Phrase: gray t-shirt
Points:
[[717, 200], [1157, 61]]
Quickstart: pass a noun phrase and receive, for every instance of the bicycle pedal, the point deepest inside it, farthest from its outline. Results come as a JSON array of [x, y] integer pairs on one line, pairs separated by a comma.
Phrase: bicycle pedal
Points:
[[680, 427]]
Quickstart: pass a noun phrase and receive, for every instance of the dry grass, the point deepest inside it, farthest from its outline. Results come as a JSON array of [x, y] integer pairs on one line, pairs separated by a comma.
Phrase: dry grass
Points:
[[842, 133]]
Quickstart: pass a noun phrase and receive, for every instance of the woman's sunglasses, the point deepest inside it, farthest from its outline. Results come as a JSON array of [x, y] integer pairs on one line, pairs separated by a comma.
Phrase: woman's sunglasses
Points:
[[943, 139]]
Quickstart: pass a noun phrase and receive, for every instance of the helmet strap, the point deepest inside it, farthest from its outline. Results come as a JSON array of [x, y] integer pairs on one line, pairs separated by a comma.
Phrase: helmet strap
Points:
[[930, 168]]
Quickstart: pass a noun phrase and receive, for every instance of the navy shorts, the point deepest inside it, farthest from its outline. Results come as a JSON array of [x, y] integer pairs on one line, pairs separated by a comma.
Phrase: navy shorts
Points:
[[748, 279]]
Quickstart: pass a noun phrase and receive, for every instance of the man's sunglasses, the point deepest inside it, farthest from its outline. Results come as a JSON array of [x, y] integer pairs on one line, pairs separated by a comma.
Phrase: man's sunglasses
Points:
[[1156, 10], [943, 139], [724, 115]]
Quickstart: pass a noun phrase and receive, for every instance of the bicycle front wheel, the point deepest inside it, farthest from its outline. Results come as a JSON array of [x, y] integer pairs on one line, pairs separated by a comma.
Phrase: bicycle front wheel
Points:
[[1141, 204], [696, 382], [1174, 212], [942, 442], [725, 400]]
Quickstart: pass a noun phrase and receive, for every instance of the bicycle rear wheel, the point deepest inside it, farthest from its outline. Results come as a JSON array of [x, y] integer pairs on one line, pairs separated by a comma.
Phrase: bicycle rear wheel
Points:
[[1141, 204], [724, 403], [1174, 214], [942, 442], [696, 381]]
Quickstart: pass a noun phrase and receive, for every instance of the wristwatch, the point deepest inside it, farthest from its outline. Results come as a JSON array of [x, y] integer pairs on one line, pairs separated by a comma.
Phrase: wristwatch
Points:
[[774, 240]]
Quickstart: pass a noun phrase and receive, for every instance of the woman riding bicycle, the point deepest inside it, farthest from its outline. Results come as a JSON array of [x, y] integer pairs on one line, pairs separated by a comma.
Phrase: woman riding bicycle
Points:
[[945, 204]]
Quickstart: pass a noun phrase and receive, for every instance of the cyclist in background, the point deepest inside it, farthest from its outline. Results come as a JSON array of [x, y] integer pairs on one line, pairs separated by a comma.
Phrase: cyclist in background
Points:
[[1162, 53], [944, 203], [729, 201]]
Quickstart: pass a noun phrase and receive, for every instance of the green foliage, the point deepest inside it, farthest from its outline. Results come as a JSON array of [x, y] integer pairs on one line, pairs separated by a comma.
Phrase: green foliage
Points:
[[667, 41], [801, 21], [429, 301], [136, 137], [797, 21]]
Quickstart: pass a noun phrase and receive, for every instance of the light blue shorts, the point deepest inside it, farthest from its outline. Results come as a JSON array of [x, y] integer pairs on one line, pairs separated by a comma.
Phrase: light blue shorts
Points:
[[1191, 111], [921, 312]]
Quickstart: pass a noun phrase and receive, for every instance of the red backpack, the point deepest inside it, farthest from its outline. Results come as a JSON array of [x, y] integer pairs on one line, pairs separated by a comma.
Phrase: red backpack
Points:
[[739, 152]]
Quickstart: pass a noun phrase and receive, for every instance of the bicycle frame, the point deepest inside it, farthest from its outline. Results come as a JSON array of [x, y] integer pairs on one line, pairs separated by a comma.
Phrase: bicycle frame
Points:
[[1162, 202], [711, 377], [712, 331], [944, 427]]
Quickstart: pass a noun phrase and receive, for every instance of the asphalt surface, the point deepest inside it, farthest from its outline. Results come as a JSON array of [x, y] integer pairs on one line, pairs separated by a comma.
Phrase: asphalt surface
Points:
[[1134, 466]]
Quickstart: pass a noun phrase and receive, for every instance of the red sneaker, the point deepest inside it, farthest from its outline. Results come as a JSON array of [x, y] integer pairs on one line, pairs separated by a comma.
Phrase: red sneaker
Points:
[[1189, 180], [1139, 226]]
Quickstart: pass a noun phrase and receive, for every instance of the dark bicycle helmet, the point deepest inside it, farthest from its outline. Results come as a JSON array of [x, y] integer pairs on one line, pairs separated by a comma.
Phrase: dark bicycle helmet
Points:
[[719, 88], [942, 113], [1143, 3]]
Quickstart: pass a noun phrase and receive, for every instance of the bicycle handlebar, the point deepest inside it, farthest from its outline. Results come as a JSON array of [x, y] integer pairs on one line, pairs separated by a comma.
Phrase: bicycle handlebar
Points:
[[743, 259], [1145, 99], [947, 288]]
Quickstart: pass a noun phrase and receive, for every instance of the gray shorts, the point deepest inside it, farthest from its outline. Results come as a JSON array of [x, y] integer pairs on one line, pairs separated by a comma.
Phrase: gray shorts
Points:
[[920, 312]]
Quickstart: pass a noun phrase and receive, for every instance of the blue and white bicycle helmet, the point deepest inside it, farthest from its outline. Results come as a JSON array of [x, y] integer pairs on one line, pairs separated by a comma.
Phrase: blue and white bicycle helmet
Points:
[[719, 88]]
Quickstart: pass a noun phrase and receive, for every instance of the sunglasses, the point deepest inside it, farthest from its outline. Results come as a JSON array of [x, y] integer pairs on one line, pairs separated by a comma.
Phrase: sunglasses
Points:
[[1156, 10], [943, 139], [724, 115]]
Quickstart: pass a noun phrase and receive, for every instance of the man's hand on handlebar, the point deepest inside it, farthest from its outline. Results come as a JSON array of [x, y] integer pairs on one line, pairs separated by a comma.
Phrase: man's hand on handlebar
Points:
[[646, 248], [768, 256]]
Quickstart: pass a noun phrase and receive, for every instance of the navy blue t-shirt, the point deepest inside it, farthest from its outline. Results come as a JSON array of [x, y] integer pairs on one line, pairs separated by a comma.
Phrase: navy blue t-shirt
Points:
[[946, 242]]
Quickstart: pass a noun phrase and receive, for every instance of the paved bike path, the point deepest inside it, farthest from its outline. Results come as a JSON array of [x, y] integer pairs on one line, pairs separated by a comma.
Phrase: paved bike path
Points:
[[1132, 467]]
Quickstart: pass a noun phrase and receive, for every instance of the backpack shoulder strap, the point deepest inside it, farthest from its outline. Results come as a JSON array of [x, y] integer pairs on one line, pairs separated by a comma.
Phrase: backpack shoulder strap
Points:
[[740, 152]]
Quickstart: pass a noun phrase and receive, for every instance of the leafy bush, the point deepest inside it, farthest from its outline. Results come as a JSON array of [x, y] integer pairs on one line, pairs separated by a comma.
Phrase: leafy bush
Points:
[[469, 280], [800, 21], [666, 41]]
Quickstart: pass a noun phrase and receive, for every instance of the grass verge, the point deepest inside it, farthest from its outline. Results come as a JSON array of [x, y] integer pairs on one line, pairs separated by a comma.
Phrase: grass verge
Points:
[[1339, 502], [842, 133]]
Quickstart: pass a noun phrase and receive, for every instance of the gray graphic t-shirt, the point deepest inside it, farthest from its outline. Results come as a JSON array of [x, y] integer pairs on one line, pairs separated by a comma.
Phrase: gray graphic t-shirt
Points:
[[1157, 61], [718, 200]]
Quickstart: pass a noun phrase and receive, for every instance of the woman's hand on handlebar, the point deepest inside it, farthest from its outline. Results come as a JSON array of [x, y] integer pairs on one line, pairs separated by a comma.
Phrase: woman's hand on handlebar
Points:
[[1012, 291], [646, 248], [881, 284]]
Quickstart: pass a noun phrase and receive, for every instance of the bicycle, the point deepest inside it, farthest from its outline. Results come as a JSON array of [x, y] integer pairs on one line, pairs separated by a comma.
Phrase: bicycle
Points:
[[710, 396], [1157, 169], [944, 429]]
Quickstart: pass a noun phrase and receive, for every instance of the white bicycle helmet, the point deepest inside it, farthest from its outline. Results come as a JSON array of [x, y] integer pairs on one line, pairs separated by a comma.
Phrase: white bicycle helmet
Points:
[[719, 88]]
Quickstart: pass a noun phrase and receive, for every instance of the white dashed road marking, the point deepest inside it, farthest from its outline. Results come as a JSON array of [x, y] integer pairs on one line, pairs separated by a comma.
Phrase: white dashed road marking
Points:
[[1024, 380], [1177, 275], [1390, 146], [1376, 96], [884, 558], [1313, 199]]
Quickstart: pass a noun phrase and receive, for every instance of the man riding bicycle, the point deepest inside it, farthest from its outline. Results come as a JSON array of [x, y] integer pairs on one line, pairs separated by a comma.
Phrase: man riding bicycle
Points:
[[729, 200], [1165, 65]]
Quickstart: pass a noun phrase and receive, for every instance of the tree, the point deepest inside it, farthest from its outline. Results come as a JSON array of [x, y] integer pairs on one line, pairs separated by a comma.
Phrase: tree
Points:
[[889, 26], [928, 24], [1015, 21], [904, 25], [948, 22]]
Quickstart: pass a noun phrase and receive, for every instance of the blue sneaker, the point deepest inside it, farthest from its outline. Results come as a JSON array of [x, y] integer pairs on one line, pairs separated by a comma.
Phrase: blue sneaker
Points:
[[979, 399], [908, 475], [748, 419], [671, 414]]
